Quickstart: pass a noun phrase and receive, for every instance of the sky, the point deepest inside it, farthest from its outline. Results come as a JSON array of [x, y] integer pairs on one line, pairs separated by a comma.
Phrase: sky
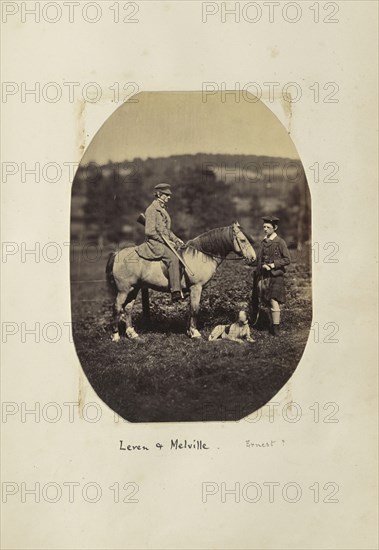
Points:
[[160, 124]]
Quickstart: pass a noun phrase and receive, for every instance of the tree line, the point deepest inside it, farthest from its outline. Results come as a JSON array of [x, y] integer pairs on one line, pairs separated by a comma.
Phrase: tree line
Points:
[[208, 191]]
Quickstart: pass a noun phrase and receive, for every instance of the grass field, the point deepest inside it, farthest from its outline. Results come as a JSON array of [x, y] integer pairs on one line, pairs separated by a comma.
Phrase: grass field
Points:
[[167, 376]]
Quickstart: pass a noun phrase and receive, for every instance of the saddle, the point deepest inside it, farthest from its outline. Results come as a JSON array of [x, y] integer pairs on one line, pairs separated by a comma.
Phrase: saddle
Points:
[[144, 252]]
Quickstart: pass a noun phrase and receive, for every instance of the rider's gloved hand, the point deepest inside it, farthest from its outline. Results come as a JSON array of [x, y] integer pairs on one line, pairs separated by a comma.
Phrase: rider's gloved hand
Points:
[[171, 243]]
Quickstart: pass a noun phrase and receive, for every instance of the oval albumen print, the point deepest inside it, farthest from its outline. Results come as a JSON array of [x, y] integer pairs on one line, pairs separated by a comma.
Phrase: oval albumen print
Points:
[[190, 258]]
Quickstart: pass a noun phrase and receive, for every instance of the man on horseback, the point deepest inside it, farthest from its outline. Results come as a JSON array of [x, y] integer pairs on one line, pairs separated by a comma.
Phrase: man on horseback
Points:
[[159, 235], [128, 272]]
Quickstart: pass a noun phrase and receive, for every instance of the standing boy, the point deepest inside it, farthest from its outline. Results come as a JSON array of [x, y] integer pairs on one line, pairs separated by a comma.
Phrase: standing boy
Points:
[[273, 257]]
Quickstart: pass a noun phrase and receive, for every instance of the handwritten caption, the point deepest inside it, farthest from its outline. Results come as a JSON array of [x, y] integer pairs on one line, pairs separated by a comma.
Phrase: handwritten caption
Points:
[[174, 445]]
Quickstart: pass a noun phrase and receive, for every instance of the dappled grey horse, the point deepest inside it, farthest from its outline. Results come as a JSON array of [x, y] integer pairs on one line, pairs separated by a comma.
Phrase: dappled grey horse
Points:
[[127, 273]]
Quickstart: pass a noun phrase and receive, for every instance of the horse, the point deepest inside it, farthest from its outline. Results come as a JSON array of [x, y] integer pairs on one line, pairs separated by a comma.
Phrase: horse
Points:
[[127, 273]]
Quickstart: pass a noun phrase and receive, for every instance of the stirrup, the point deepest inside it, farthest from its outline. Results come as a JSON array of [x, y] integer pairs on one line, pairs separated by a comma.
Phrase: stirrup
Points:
[[176, 296]]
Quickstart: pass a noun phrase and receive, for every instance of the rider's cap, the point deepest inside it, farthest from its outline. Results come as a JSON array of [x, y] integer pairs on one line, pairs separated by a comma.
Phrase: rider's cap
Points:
[[163, 188], [270, 219]]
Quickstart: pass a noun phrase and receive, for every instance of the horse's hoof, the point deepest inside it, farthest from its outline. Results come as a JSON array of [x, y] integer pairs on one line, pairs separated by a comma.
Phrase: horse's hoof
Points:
[[115, 337], [131, 333], [193, 333]]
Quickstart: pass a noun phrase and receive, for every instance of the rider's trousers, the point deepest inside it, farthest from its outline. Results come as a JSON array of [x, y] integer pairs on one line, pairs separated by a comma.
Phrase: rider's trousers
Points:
[[172, 263]]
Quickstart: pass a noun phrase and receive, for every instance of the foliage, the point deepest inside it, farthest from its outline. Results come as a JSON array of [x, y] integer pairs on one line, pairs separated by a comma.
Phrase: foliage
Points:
[[201, 202], [208, 191], [109, 200]]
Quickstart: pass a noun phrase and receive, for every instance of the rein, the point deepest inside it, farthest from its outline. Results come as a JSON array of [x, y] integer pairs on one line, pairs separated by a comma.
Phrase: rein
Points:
[[213, 255]]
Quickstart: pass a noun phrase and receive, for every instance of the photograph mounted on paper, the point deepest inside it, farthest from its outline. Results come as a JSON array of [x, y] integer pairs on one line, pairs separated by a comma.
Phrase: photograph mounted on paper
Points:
[[190, 257]]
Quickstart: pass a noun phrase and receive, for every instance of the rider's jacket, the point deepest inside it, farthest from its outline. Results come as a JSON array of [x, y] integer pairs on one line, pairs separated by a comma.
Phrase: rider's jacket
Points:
[[158, 223]]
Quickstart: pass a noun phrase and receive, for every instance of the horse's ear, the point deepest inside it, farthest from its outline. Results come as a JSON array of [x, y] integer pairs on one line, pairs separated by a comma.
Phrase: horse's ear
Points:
[[236, 223]]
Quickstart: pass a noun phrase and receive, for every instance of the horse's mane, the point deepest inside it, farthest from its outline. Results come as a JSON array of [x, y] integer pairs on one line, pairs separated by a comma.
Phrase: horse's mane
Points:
[[217, 242]]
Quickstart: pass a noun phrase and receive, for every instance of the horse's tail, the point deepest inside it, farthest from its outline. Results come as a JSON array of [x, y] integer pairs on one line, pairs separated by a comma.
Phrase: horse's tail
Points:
[[109, 272]]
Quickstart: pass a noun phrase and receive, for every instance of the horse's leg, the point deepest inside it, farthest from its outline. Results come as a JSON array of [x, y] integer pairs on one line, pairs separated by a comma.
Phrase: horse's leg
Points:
[[194, 311], [128, 305], [117, 309]]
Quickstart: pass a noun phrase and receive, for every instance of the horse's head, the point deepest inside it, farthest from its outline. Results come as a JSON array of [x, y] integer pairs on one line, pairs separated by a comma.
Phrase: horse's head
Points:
[[242, 245]]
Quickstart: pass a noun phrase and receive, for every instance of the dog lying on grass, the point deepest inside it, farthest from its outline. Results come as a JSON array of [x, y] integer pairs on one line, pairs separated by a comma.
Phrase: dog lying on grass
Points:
[[237, 332]]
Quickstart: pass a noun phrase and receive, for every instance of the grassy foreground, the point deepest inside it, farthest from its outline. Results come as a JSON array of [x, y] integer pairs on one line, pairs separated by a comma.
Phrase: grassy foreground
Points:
[[167, 376]]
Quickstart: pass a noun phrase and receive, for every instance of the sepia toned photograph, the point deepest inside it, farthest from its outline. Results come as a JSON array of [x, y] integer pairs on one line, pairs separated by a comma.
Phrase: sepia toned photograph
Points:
[[189, 274], [190, 258]]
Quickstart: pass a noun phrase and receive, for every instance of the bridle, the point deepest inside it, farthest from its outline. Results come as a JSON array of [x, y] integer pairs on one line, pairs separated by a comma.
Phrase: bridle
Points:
[[234, 235], [243, 247]]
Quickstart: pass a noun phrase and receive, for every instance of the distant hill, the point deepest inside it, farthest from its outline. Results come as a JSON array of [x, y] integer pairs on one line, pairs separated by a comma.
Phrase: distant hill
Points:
[[207, 189]]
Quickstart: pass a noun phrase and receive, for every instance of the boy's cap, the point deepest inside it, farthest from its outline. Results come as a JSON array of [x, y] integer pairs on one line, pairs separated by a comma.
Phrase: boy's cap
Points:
[[271, 219]]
